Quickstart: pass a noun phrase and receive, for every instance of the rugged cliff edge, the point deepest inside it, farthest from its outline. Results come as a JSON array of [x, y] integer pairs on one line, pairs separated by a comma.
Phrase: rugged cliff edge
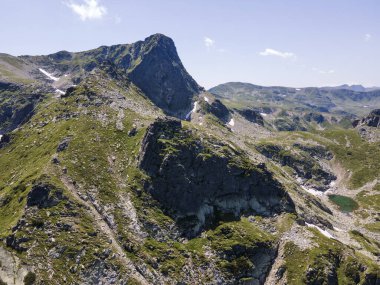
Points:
[[203, 181]]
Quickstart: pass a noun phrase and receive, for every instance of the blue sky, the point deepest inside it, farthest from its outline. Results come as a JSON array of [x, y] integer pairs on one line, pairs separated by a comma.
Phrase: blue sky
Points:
[[269, 42]]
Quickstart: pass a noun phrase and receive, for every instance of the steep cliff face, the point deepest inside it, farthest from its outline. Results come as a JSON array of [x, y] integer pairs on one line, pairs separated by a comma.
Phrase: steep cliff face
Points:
[[163, 78], [203, 181], [17, 104]]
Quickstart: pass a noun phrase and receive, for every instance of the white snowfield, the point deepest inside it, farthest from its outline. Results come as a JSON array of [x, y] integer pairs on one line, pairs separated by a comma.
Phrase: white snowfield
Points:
[[231, 122], [324, 232], [206, 99], [50, 76], [192, 111], [1, 137], [263, 114]]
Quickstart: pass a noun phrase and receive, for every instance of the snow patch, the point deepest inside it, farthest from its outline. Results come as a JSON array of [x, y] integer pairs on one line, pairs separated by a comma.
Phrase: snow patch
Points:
[[59, 91], [263, 114], [1, 137], [206, 99], [312, 191], [231, 122], [324, 232], [298, 89], [192, 111], [337, 229], [49, 75]]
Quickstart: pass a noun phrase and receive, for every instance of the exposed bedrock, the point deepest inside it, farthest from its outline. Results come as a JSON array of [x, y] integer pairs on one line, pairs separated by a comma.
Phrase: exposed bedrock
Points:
[[202, 181]]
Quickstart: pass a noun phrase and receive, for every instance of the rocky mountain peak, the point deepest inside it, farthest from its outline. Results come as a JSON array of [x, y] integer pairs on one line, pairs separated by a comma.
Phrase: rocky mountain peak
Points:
[[161, 75]]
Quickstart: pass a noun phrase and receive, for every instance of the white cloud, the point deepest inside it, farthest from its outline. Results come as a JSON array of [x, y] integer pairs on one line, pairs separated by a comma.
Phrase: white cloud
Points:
[[273, 52], [320, 71], [367, 37], [209, 42], [89, 10]]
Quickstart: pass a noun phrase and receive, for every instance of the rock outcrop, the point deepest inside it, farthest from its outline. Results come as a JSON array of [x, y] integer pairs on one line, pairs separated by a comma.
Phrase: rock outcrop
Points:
[[44, 196], [372, 120], [202, 182], [216, 108], [305, 160], [252, 116], [17, 105]]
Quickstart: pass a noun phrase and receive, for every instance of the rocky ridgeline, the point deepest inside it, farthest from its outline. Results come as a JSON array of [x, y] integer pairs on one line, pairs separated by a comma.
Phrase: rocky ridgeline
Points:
[[153, 65]]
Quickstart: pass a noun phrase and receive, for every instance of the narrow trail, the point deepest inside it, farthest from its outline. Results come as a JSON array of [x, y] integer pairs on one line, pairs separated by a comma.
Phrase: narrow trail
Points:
[[106, 230]]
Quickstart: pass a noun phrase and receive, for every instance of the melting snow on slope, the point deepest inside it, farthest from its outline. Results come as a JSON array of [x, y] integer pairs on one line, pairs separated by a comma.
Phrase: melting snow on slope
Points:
[[312, 191], [1, 137], [192, 111], [263, 114], [325, 233], [207, 100], [232, 122], [59, 91], [50, 76]]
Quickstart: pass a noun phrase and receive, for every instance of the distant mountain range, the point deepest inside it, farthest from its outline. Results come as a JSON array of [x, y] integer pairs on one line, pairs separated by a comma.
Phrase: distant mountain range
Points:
[[356, 88], [343, 100]]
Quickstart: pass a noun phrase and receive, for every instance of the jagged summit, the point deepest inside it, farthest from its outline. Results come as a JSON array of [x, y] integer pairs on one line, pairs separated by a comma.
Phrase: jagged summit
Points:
[[153, 65]]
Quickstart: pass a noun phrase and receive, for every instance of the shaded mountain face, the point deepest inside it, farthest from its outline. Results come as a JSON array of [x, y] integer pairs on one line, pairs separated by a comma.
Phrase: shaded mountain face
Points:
[[98, 185], [152, 65], [201, 182]]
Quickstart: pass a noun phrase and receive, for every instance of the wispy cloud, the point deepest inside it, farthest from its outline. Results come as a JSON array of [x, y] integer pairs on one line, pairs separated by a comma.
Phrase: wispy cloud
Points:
[[273, 52], [208, 42], [321, 71], [88, 10], [367, 37]]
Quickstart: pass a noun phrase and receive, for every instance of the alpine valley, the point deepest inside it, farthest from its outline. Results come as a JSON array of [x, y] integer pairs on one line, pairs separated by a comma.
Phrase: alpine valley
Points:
[[116, 167]]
